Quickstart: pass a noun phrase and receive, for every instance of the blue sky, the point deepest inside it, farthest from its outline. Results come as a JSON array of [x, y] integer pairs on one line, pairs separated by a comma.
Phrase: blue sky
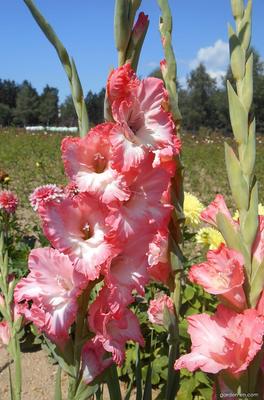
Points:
[[86, 29]]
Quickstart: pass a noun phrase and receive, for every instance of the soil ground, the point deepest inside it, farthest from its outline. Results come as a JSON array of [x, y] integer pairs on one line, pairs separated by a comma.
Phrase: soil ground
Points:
[[38, 377]]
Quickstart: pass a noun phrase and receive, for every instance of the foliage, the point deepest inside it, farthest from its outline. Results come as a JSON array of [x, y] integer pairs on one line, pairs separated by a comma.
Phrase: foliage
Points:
[[67, 113], [27, 105], [48, 106], [95, 106]]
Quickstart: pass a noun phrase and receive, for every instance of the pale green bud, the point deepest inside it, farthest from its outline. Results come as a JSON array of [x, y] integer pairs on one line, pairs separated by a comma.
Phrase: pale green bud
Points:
[[237, 55], [237, 8], [122, 27], [238, 116], [238, 184]]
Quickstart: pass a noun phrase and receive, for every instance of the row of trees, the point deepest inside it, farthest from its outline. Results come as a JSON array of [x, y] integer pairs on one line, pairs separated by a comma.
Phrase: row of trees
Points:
[[203, 104], [21, 105]]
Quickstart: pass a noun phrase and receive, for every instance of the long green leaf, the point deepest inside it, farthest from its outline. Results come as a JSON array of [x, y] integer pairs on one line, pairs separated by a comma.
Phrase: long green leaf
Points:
[[113, 383], [68, 65], [138, 375], [148, 386]]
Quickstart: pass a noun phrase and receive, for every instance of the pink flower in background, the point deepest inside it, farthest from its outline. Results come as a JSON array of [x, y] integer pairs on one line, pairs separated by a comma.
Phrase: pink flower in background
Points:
[[76, 227], [157, 306], [5, 333], [113, 326], [8, 201], [224, 341], [53, 287], [87, 162], [217, 206], [159, 267], [222, 275], [94, 360], [43, 194]]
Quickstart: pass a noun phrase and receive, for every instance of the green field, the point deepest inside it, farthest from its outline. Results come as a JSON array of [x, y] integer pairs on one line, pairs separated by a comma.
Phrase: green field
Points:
[[34, 159]]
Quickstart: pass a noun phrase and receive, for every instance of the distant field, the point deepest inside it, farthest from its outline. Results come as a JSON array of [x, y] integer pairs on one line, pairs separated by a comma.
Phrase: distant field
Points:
[[34, 159]]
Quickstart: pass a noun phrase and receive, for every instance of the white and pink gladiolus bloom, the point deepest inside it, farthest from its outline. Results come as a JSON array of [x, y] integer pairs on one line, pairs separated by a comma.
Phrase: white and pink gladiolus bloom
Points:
[[143, 123], [51, 291], [94, 359], [144, 208], [8, 201], [76, 227], [88, 163], [157, 307], [113, 324], [109, 223], [217, 206], [159, 266], [5, 333], [222, 275], [226, 341]]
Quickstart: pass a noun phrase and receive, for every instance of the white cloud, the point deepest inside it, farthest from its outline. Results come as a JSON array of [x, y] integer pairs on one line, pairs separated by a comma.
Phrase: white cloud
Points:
[[217, 75], [215, 58]]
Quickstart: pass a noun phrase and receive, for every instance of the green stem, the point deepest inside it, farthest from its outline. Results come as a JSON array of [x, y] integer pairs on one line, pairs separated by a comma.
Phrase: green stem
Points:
[[16, 355], [113, 383], [79, 334]]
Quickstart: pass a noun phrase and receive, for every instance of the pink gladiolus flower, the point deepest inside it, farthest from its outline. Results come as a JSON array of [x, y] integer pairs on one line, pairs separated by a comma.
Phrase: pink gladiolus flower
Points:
[[94, 360], [120, 83], [144, 208], [71, 190], [142, 123], [224, 341], [5, 333], [157, 306], [222, 275], [159, 267], [87, 162], [53, 287], [258, 246], [128, 271], [43, 194], [8, 201], [76, 227], [217, 206], [113, 326]]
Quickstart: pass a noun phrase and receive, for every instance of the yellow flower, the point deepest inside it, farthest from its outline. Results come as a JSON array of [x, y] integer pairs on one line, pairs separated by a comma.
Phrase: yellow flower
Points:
[[260, 212], [209, 237], [260, 209], [192, 208]]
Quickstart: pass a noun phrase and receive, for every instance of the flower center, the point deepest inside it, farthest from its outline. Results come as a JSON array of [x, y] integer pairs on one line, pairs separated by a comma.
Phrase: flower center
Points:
[[63, 283], [99, 163], [86, 229]]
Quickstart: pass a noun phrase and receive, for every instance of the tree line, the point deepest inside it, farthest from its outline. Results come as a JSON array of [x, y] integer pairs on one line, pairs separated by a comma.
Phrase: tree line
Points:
[[203, 103]]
